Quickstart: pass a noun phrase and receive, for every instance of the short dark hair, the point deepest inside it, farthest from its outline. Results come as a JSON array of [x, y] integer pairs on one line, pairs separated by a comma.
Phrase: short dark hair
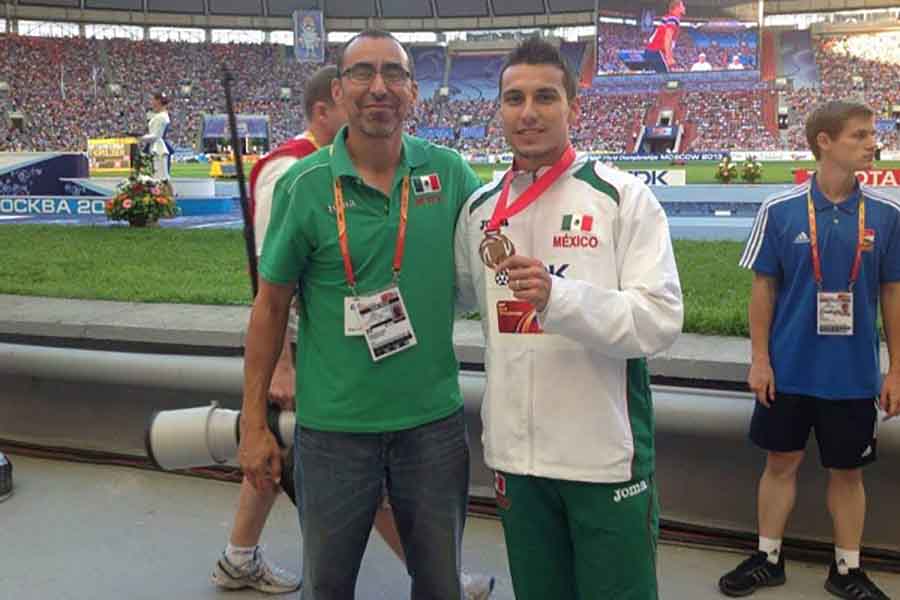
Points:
[[318, 89], [831, 118], [161, 98], [535, 51], [375, 34]]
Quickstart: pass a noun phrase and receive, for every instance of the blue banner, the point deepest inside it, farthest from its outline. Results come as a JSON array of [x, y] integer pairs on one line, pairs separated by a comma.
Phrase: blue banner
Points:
[[253, 126], [748, 76], [472, 133], [798, 58], [686, 156], [435, 133], [660, 132], [51, 205], [885, 125], [40, 173], [309, 36]]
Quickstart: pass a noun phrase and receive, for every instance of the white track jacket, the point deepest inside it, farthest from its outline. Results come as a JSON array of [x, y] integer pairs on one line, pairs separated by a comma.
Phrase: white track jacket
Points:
[[573, 402]]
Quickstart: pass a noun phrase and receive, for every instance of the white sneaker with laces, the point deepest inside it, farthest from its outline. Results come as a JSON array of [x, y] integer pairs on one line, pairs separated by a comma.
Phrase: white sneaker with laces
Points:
[[476, 586], [257, 573]]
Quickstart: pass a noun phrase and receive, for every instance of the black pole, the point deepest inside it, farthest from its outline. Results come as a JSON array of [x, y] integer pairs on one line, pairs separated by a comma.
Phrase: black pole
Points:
[[249, 236]]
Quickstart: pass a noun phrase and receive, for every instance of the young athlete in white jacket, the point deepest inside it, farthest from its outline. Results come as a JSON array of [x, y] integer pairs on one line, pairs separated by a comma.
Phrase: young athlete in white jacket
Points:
[[571, 266]]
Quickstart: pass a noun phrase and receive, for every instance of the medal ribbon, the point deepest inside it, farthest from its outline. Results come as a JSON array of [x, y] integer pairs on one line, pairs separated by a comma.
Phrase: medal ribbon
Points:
[[341, 215], [814, 241], [501, 211]]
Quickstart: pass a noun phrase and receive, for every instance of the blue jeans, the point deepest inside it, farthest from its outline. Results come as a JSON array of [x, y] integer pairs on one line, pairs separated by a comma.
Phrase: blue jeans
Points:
[[340, 482]]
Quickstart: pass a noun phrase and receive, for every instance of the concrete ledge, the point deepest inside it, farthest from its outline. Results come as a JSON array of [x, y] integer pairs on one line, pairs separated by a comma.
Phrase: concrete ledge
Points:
[[137, 327], [176, 324]]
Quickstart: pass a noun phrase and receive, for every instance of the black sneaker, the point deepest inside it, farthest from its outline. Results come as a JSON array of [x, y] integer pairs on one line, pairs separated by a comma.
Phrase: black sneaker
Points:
[[855, 585], [753, 573]]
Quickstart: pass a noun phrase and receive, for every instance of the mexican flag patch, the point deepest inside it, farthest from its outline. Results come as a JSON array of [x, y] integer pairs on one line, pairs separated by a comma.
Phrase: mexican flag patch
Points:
[[426, 184], [577, 223]]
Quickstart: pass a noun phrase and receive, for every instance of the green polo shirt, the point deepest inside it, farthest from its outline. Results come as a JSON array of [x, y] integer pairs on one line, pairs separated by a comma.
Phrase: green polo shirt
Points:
[[339, 387]]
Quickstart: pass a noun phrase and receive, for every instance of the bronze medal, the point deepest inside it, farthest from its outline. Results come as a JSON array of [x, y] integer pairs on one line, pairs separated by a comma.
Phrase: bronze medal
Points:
[[494, 248]]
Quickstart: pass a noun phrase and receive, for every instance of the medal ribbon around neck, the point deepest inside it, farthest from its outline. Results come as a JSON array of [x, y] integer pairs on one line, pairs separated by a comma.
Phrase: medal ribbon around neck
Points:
[[495, 247], [502, 211]]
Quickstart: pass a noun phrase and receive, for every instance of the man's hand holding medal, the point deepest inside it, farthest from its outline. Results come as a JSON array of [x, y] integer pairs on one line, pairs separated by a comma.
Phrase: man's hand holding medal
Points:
[[526, 277], [528, 280]]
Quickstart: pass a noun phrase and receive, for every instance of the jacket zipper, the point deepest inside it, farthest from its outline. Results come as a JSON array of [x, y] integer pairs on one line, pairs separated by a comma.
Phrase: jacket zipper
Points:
[[531, 361], [531, 411]]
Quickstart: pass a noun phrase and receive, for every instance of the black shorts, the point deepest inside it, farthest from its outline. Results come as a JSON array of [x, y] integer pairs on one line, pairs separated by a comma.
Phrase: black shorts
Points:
[[846, 430]]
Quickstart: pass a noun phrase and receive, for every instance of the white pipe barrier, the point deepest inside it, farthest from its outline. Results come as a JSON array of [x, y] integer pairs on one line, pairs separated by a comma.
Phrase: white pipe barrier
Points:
[[217, 374], [680, 411]]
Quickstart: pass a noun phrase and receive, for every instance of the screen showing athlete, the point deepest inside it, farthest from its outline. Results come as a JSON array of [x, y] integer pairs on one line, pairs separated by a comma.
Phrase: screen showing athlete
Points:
[[665, 34]]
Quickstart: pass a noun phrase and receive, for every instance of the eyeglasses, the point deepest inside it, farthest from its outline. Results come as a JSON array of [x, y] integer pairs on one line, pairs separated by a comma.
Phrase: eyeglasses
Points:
[[364, 73]]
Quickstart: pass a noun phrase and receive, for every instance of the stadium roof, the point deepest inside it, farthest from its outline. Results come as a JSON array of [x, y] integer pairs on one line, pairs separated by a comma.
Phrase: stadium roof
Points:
[[393, 14]]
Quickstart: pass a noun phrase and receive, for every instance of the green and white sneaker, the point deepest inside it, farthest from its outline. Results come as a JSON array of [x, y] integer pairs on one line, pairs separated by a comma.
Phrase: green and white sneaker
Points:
[[257, 573]]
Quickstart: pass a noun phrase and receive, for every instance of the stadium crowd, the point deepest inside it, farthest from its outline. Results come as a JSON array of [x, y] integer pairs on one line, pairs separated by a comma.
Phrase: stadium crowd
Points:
[[69, 99], [865, 67], [729, 121], [608, 123]]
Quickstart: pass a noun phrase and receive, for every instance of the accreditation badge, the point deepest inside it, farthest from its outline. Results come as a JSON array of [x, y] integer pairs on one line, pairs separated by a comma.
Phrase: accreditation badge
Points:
[[834, 313], [352, 325], [385, 323]]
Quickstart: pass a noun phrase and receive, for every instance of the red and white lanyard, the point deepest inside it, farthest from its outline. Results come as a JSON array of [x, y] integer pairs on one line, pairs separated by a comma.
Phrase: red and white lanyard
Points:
[[341, 215]]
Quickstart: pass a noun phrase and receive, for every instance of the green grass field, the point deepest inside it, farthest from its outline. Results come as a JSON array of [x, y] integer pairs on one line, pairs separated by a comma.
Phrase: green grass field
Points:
[[697, 172], [209, 267]]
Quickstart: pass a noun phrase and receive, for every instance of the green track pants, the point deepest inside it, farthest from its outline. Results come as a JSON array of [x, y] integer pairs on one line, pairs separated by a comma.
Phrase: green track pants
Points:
[[569, 540]]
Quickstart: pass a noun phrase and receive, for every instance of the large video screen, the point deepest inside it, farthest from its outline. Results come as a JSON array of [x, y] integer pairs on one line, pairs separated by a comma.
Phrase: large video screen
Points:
[[666, 40]]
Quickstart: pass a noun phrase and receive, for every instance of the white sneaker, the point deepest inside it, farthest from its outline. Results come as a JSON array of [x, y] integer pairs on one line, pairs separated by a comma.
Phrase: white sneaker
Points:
[[476, 586], [257, 573]]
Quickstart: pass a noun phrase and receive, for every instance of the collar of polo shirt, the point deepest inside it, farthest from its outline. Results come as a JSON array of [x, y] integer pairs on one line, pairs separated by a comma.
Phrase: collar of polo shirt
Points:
[[413, 155], [848, 205]]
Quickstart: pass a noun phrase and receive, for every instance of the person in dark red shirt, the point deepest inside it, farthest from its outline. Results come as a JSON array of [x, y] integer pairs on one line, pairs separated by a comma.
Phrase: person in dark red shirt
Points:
[[242, 563], [665, 34]]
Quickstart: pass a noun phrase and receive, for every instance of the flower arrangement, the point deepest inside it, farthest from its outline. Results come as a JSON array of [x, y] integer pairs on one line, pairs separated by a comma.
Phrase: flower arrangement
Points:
[[141, 200], [727, 170], [751, 170]]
